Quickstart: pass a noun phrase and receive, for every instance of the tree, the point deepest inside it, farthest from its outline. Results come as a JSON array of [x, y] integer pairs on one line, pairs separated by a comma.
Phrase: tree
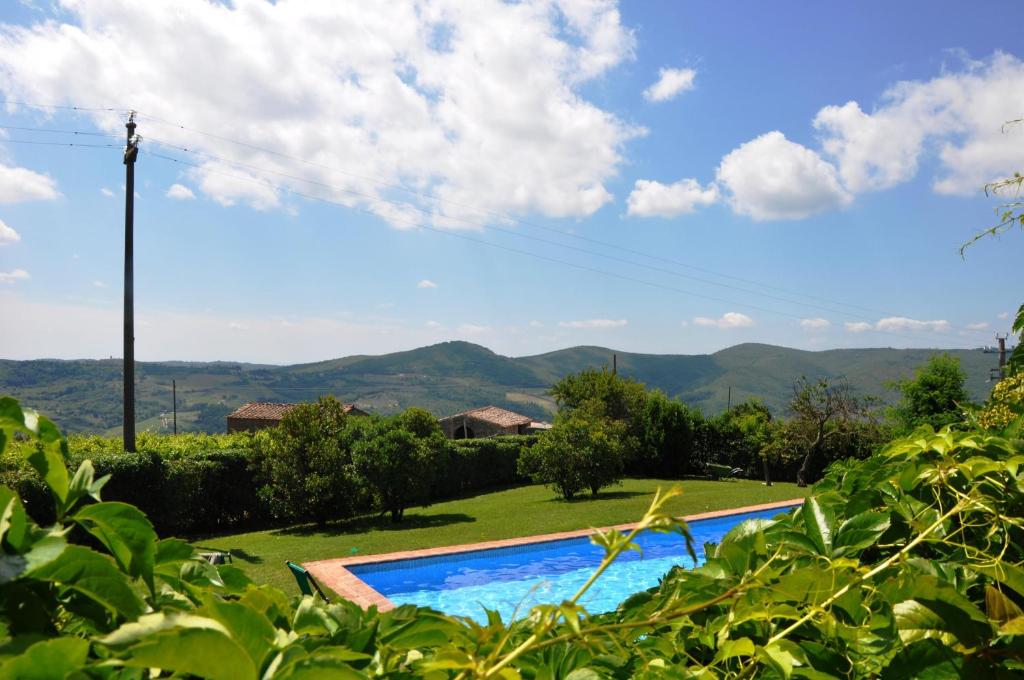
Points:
[[584, 450], [615, 397], [935, 396], [399, 459], [667, 437], [821, 410], [307, 464]]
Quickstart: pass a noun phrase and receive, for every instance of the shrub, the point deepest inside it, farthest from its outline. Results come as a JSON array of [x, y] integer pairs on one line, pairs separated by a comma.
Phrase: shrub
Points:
[[478, 464], [584, 450], [398, 458], [306, 463]]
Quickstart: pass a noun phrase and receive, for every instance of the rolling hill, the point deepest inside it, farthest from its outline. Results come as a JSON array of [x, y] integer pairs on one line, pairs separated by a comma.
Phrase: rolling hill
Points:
[[84, 395]]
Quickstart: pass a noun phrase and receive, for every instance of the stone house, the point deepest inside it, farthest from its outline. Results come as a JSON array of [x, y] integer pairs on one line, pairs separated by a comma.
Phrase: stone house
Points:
[[258, 415], [488, 421]]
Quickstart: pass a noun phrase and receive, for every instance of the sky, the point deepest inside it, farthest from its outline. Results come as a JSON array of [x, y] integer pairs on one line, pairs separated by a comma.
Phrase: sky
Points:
[[319, 179]]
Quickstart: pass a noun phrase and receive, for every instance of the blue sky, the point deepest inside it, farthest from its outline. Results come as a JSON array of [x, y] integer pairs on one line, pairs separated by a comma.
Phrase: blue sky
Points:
[[657, 177]]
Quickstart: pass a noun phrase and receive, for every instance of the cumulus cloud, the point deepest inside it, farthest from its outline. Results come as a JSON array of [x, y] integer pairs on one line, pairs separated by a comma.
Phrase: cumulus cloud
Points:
[[816, 324], [14, 276], [21, 184], [654, 199], [106, 192], [180, 192], [481, 103], [472, 329], [594, 323], [433, 324], [8, 235], [727, 320], [536, 324], [772, 178], [671, 82], [1003, 315], [902, 323], [426, 283], [99, 284], [894, 324], [980, 326], [959, 113]]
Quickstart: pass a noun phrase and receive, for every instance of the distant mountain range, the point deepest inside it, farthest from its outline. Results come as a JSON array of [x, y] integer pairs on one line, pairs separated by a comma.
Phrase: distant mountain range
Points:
[[85, 395]]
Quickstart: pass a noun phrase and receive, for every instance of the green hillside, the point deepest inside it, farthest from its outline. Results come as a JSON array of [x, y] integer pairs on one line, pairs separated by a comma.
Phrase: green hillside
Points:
[[85, 396]]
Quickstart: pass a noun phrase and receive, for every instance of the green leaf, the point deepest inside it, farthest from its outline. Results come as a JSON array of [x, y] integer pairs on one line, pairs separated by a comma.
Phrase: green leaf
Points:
[[249, 628], [171, 550], [48, 461], [47, 660], [734, 648], [43, 551], [95, 576], [198, 651], [319, 668], [924, 660], [150, 624], [818, 522], [860, 531], [83, 484], [126, 533], [13, 520]]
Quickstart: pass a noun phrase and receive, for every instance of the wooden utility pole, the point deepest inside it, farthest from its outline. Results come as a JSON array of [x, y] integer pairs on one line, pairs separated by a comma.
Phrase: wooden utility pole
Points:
[[174, 406], [998, 374], [615, 364], [131, 152]]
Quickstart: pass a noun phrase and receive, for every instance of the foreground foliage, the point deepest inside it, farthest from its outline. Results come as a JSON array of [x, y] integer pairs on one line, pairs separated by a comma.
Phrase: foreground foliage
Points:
[[907, 564]]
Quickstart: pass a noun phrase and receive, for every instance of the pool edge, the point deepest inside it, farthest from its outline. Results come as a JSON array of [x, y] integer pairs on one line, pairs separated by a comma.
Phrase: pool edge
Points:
[[334, 573]]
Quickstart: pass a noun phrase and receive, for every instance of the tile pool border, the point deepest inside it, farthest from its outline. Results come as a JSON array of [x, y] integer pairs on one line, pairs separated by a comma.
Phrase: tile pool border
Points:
[[334, 573]]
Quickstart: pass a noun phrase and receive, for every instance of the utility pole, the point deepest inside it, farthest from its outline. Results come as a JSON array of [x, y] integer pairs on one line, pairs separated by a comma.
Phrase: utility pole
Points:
[[728, 402], [174, 401], [615, 364], [131, 152]]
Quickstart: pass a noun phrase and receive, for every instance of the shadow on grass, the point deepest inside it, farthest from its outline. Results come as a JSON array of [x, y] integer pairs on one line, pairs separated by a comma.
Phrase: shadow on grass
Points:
[[362, 525], [601, 496]]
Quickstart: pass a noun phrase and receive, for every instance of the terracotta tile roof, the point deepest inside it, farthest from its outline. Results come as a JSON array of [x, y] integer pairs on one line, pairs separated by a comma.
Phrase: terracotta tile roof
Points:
[[492, 414], [266, 410], [262, 410]]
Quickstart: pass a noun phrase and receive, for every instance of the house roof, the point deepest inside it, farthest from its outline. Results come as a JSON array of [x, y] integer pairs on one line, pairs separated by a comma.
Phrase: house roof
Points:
[[492, 414], [267, 410]]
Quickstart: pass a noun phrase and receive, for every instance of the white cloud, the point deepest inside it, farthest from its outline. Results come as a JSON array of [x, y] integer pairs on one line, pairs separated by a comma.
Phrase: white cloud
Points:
[[1003, 315], [98, 284], [671, 82], [106, 192], [481, 103], [536, 324], [426, 283], [21, 184], [8, 235], [180, 192], [433, 324], [959, 113], [902, 323], [727, 320], [14, 276], [772, 178], [654, 199], [898, 324], [594, 323], [980, 326], [816, 324]]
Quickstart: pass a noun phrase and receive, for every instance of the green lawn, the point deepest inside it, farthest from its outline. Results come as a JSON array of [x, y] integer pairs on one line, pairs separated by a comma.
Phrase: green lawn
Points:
[[524, 511]]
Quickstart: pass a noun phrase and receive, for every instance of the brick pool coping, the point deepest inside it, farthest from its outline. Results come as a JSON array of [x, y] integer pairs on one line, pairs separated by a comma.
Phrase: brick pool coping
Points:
[[334, 573]]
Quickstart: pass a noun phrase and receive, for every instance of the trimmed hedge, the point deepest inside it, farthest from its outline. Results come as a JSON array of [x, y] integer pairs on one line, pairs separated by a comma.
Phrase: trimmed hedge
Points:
[[478, 464], [188, 491]]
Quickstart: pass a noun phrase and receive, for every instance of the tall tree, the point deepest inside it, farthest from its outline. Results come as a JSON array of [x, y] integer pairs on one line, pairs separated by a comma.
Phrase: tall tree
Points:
[[934, 396], [821, 410]]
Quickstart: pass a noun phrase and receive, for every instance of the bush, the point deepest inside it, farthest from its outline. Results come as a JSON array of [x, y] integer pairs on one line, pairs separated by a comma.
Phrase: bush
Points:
[[479, 464]]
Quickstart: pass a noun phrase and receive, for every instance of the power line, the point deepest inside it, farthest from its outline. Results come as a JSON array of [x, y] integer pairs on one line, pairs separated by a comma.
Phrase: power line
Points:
[[55, 131], [499, 214], [39, 143], [491, 244], [90, 109]]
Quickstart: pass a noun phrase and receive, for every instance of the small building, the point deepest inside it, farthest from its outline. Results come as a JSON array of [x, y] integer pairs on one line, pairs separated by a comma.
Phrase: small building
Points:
[[258, 415], [486, 421]]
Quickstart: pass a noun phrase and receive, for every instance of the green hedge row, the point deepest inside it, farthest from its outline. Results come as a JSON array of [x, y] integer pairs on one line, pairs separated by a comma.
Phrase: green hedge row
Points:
[[187, 492]]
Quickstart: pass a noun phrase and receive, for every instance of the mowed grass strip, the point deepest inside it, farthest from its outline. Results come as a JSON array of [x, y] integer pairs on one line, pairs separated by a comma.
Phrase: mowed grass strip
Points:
[[524, 511]]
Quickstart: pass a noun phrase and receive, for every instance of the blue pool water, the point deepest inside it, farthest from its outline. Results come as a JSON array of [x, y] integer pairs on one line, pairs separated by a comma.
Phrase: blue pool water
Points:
[[513, 579]]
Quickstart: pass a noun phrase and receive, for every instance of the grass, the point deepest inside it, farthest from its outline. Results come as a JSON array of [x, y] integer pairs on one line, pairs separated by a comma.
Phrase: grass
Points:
[[523, 511]]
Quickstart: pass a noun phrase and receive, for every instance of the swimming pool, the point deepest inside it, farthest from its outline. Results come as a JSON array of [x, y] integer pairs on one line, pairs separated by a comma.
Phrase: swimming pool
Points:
[[513, 579]]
